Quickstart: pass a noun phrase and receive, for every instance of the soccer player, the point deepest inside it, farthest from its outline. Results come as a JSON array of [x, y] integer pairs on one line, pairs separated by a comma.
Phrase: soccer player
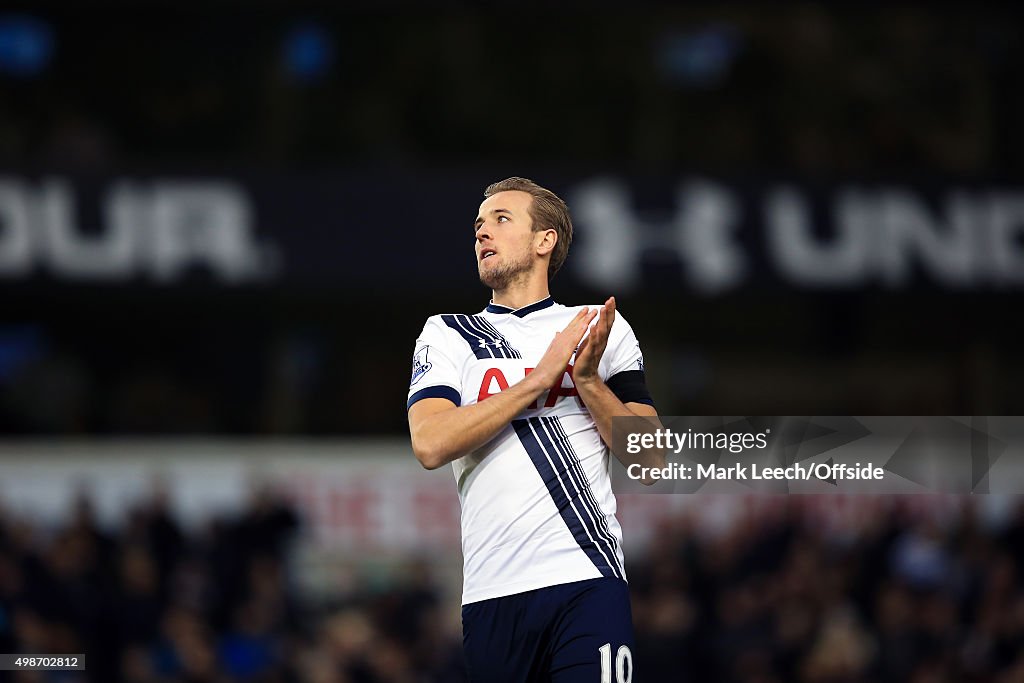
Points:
[[520, 399]]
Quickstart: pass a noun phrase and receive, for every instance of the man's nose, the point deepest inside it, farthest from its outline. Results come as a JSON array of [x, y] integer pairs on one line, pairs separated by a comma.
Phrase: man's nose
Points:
[[483, 232]]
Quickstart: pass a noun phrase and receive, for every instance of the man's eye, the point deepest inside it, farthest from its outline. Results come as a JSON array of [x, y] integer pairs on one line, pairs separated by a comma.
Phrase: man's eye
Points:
[[502, 218]]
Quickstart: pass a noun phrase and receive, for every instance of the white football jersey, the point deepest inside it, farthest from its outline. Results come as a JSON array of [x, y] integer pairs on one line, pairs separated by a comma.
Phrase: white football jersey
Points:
[[537, 503]]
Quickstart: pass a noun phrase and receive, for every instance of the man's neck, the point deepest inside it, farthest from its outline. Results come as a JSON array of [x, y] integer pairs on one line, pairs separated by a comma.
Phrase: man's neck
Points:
[[516, 298]]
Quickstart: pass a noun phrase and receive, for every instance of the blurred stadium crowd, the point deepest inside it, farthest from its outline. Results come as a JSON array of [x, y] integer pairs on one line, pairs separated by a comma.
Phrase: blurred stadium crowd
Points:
[[884, 599], [891, 596], [152, 603]]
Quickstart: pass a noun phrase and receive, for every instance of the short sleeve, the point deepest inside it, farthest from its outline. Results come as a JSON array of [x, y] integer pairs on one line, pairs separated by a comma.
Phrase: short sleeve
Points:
[[435, 372], [625, 364]]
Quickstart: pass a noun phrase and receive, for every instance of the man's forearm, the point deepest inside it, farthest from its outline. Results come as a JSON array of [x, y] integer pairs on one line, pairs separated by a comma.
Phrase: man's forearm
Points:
[[447, 435], [604, 405]]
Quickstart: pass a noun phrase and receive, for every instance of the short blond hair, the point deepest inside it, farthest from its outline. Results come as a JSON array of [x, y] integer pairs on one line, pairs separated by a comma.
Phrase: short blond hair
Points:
[[547, 212]]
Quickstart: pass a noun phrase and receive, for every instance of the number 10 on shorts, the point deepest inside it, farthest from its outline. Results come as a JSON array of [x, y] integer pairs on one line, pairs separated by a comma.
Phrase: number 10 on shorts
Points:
[[623, 664]]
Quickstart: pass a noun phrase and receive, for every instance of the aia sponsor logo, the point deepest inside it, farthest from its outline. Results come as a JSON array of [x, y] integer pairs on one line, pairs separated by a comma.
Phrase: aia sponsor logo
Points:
[[494, 381]]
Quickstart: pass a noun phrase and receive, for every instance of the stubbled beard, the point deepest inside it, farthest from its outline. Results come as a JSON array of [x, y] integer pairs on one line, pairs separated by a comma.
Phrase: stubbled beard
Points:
[[501, 277]]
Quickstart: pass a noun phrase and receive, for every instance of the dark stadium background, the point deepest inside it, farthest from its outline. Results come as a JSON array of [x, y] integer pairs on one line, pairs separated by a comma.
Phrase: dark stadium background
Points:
[[334, 157]]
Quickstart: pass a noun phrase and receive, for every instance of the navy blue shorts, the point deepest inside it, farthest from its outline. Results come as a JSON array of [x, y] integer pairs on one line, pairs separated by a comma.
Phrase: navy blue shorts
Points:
[[578, 632]]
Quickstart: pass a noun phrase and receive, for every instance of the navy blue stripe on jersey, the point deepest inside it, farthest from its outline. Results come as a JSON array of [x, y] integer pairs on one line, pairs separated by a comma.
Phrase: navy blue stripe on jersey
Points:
[[567, 465], [476, 341], [495, 339], [564, 494], [561, 440], [486, 325], [481, 336], [571, 462], [439, 391]]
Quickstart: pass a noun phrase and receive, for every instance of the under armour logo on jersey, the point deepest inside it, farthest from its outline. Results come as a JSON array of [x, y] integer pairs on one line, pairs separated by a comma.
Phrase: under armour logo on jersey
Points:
[[481, 336], [420, 365]]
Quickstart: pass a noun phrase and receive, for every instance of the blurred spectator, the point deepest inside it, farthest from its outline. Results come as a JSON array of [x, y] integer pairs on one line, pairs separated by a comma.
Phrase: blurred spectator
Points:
[[770, 600]]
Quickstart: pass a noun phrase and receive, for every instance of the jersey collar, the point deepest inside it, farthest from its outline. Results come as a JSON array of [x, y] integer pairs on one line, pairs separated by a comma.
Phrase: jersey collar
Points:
[[521, 312]]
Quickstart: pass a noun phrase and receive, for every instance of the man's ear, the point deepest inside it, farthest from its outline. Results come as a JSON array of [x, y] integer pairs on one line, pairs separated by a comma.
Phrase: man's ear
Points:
[[545, 241]]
